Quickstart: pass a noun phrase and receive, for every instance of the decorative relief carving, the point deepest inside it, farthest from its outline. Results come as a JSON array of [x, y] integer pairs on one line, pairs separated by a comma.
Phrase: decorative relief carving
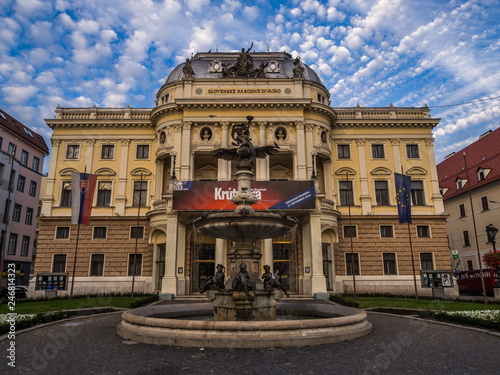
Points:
[[215, 66], [125, 142], [361, 142], [206, 134], [280, 134], [198, 91], [273, 67], [395, 142]]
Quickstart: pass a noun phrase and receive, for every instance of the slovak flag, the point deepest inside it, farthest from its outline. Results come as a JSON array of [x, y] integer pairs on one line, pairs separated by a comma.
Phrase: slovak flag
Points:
[[82, 195]]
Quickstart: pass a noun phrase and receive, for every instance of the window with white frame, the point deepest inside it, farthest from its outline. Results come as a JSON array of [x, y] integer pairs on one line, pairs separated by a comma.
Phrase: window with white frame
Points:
[[72, 151]]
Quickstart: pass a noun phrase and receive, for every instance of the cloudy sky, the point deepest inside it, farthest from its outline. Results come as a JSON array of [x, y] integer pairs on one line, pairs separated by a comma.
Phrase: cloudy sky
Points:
[[80, 53]]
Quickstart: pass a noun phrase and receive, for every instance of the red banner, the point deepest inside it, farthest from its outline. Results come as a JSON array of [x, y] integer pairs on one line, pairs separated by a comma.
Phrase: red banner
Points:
[[216, 195]]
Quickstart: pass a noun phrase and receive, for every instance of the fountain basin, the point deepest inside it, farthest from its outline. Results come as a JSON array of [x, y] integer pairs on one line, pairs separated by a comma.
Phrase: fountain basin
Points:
[[236, 227], [139, 325]]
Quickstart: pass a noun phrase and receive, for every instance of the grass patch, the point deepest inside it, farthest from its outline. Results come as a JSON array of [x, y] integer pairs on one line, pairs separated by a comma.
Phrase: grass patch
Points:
[[37, 307]]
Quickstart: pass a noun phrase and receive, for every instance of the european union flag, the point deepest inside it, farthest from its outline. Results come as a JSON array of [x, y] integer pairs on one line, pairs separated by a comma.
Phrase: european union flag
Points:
[[403, 197]]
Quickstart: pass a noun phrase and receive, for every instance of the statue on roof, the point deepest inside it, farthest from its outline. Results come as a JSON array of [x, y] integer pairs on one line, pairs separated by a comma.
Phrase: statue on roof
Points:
[[298, 70], [187, 69]]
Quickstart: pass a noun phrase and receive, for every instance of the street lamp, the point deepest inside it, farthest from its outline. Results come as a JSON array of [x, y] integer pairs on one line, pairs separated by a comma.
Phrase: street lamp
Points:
[[491, 232]]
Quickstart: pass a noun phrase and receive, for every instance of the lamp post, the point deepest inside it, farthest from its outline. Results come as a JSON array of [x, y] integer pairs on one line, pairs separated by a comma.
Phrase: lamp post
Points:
[[491, 232]]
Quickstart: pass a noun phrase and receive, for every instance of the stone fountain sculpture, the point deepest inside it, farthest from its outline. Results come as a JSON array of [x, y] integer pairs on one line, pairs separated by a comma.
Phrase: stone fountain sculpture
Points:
[[244, 296]]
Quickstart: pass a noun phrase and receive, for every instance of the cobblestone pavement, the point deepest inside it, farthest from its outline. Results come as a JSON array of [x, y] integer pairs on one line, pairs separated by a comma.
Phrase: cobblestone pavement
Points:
[[398, 345]]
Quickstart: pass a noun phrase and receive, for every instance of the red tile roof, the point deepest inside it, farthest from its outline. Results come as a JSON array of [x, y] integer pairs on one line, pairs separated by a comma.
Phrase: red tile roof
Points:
[[23, 131], [484, 153]]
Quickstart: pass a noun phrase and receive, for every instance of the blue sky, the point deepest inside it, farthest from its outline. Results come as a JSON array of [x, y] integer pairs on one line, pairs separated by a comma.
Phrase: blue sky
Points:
[[80, 53]]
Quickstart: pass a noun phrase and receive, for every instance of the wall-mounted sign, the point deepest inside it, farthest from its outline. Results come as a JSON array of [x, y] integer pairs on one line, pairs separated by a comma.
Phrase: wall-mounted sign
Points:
[[51, 281], [216, 195], [437, 279]]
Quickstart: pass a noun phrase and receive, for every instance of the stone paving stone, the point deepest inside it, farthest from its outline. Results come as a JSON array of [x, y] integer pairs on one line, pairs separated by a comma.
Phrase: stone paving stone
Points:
[[398, 345]]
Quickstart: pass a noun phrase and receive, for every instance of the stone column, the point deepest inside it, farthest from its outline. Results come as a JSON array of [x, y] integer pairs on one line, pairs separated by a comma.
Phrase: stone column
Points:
[[301, 151], [437, 198], [309, 149], [158, 185], [220, 252], [181, 259], [48, 194], [262, 164], [185, 156], [169, 283], [121, 196], [177, 142], [89, 154], [396, 151], [224, 166], [318, 279], [363, 176]]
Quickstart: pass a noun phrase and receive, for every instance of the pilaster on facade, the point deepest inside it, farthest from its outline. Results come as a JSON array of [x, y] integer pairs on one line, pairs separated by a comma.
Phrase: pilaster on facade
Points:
[[301, 151], [185, 154]]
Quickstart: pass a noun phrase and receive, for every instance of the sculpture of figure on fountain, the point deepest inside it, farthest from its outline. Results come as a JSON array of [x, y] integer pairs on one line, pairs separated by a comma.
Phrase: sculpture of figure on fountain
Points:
[[242, 282], [270, 282], [214, 282]]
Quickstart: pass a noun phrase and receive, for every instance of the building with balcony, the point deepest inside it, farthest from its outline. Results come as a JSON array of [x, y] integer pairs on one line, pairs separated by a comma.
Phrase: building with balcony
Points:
[[470, 183], [22, 152], [145, 158]]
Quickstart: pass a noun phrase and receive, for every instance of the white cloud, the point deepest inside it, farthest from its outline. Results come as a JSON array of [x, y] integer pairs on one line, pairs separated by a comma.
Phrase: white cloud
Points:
[[17, 95], [197, 5], [251, 13]]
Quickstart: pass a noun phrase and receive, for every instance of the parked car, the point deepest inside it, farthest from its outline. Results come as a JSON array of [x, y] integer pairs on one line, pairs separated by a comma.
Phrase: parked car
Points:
[[20, 292]]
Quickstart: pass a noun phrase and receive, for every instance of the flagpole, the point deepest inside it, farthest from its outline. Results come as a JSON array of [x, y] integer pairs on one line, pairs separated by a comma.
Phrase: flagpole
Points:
[[74, 261], [412, 261], [136, 236]]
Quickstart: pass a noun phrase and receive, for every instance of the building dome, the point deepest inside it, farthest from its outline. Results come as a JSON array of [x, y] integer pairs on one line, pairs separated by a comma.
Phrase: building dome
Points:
[[269, 65]]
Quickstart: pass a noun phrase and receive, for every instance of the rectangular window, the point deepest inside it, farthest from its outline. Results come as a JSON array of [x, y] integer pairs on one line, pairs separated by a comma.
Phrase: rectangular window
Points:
[[100, 232], [389, 263], [59, 263], [412, 152], [484, 203], [426, 261], [29, 216], [24, 157], [465, 234], [378, 151], [73, 152], [12, 149], [461, 208], [104, 193], [136, 232], [25, 246], [481, 174], [142, 152], [21, 182], [382, 193], [343, 151], [346, 194], [108, 152], [140, 193], [32, 190], [138, 264], [66, 194], [11, 250], [386, 231], [423, 231], [417, 193], [97, 265], [62, 232], [349, 231], [16, 215], [36, 164], [351, 258]]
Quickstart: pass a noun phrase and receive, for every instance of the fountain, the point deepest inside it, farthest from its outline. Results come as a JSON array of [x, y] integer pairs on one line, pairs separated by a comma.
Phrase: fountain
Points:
[[244, 308], [244, 297]]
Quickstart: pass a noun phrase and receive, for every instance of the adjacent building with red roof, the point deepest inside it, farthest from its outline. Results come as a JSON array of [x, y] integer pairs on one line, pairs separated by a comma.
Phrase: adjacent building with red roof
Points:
[[472, 175], [22, 152]]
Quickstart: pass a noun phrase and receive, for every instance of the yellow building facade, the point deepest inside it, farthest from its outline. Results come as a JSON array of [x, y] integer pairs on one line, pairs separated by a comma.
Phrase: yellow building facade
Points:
[[349, 155]]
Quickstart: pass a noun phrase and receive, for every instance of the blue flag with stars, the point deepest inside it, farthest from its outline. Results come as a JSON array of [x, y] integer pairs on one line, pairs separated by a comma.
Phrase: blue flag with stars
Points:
[[403, 197]]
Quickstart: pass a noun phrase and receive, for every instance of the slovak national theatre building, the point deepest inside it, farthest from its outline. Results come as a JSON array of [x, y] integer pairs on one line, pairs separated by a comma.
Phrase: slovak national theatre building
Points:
[[334, 173]]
